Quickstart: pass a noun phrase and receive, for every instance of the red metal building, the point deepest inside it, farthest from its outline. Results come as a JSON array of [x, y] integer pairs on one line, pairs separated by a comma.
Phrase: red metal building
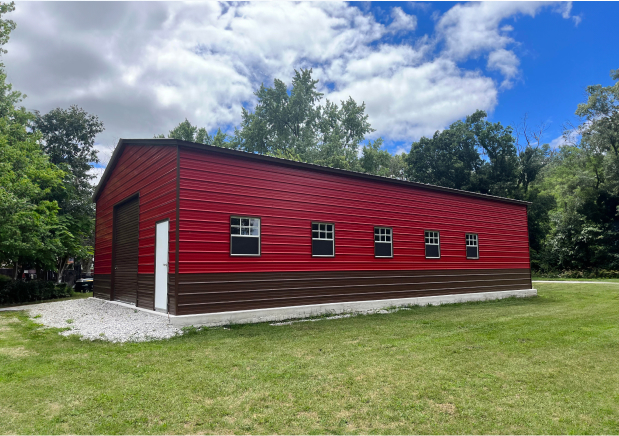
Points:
[[189, 228]]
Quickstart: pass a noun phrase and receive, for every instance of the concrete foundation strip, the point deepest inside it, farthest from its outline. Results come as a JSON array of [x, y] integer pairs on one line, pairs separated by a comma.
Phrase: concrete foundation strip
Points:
[[295, 312]]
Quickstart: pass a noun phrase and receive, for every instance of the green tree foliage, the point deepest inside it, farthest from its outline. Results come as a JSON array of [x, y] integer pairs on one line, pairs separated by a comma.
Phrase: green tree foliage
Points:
[[185, 131], [474, 155], [450, 158], [6, 26], [601, 116], [29, 227], [380, 162], [292, 123], [583, 179], [68, 138]]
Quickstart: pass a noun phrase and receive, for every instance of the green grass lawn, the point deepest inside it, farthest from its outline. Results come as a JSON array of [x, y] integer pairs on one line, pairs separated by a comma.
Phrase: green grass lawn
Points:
[[578, 280], [531, 366], [76, 296]]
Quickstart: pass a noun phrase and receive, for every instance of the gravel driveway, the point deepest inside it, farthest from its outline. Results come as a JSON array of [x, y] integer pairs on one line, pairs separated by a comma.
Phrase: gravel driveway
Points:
[[92, 318]]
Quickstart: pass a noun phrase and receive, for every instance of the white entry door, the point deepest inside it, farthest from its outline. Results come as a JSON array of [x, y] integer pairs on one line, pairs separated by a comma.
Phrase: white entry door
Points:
[[161, 267]]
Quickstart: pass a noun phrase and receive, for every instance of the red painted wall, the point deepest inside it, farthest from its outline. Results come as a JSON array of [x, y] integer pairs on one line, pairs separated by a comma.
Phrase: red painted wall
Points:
[[151, 172], [214, 186]]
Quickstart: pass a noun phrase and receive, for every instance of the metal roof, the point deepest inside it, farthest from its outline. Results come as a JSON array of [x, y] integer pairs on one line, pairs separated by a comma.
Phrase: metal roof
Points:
[[122, 143]]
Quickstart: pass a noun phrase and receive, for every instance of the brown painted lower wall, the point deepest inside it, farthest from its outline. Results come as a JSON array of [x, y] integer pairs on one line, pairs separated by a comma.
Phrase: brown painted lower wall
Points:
[[102, 286], [171, 294], [208, 293], [146, 291]]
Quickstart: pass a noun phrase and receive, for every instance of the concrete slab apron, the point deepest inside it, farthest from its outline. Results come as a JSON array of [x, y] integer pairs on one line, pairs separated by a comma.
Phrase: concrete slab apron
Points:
[[291, 312]]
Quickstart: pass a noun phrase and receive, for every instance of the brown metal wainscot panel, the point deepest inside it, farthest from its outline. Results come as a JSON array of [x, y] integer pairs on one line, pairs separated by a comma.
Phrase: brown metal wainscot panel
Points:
[[207, 293]]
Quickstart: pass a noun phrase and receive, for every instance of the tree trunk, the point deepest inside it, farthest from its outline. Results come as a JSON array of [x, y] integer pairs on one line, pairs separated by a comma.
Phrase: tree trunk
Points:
[[62, 264], [15, 270]]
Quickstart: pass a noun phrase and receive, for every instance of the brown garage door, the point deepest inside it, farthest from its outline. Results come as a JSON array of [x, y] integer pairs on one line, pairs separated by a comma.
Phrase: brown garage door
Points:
[[125, 251]]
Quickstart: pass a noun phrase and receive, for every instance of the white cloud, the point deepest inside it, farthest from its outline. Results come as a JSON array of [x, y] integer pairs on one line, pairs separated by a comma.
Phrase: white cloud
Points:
[[570, 137], [557, 142], [402, 21], [417, 100], [402, 150], [144, 67], [506, 62], [473, 29]]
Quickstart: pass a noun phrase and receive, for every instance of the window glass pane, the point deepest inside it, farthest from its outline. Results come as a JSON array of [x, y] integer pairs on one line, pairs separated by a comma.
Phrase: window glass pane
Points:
[[329, 235], [323, 235], [235, 221], [329, 227], [315, 235], [254, 231], [314, 226], [245, 246], [235, 230], [432, 251], [382, 250], [255, 222], [244, 221], [244, 230], [322, 227]]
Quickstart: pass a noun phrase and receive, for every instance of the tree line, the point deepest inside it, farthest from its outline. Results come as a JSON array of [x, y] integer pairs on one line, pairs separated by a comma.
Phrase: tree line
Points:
[[573, 189]]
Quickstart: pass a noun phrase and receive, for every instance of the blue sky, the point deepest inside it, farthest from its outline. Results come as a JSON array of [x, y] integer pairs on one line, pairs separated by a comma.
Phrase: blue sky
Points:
[[559, 58], [144, 67]]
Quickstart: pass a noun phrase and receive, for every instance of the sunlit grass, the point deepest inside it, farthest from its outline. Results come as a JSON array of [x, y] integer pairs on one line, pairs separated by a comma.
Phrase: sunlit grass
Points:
[[538, 365], [577, 280]]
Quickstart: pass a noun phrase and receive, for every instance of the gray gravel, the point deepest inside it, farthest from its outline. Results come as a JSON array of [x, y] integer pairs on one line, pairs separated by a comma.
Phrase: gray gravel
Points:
[[92, 319]]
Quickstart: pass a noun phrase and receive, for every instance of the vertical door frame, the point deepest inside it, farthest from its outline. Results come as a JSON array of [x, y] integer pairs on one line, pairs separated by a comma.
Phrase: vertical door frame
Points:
[[167, 285], [114, 237]]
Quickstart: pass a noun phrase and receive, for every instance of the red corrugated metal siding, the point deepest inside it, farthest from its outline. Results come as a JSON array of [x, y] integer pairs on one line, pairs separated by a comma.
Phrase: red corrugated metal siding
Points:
[[214, 186], [151, 172]]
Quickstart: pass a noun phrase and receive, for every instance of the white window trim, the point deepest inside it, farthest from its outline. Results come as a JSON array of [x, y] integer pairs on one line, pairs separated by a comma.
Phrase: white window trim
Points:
[[466, 242], [259, 236], [323, 239], [438, 244], [383, 242]]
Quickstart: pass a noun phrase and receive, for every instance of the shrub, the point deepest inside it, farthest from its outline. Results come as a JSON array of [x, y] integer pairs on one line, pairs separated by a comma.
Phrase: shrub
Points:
[[578, 274], [14, 292]]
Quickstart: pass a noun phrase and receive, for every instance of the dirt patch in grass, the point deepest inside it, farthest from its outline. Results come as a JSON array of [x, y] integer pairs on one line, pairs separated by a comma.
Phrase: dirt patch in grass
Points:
[[448, 408], [17, 352], [7, 320]]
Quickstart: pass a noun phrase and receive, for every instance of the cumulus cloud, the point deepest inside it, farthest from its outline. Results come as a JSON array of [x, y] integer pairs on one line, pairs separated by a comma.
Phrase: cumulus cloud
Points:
[[473, 29], [144, 67], [402, 21], [506, 62]]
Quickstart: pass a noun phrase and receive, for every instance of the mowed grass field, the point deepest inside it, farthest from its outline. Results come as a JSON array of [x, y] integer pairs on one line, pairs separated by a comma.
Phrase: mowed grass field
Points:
[[543, 365]]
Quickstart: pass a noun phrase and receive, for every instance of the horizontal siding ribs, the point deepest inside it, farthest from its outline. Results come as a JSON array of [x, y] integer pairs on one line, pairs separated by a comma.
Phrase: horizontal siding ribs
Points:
[[214, 186], [208, 293]]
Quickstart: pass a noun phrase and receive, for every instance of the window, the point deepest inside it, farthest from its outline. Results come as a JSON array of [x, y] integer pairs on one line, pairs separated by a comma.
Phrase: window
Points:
[[244, 236], [323, 241], [383, 242], [433, 244], [472, 248]]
